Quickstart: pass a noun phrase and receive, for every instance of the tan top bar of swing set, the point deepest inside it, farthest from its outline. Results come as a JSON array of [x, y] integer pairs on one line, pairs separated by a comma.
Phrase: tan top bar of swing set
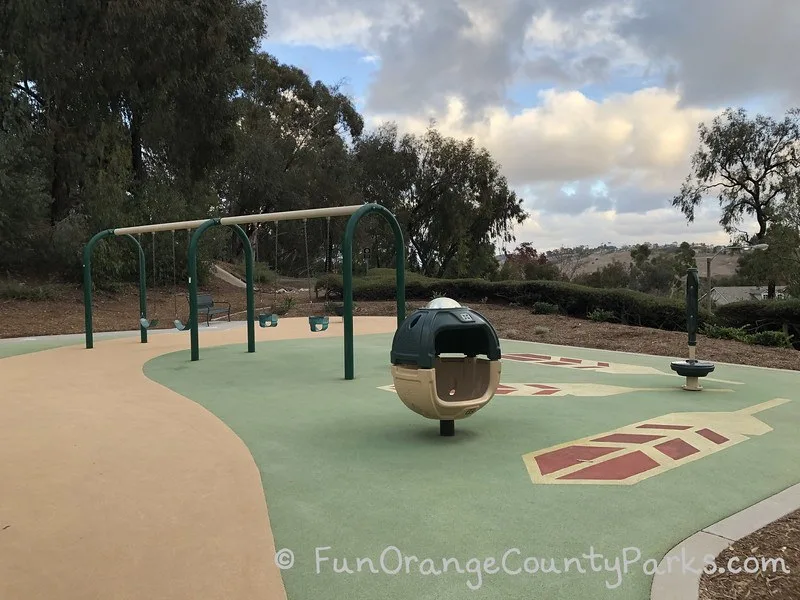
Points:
[[290, 215]]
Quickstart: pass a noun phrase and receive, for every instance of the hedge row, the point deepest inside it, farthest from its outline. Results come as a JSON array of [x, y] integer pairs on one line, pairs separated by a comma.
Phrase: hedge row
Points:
[[760, 315], [629, 307]]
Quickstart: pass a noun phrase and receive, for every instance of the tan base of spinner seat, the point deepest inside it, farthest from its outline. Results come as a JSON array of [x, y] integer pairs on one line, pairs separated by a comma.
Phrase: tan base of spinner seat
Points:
[[455, 388]]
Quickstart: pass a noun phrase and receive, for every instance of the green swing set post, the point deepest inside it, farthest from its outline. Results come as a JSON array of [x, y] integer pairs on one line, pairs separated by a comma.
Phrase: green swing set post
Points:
[[87, 285], [347, 278], [248, 257]]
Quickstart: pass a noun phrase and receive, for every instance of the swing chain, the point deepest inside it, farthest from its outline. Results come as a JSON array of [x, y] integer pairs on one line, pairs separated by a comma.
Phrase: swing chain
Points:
[[143, 315], [153, 233], [308, 263], [174, 276], [328, 257]]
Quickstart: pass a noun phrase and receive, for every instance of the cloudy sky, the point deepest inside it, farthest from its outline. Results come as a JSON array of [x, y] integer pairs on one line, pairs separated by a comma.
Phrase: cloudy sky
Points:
[[590, 106]]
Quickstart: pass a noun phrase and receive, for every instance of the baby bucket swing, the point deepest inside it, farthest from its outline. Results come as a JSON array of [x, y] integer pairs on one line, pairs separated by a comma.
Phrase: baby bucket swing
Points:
[[143, 320], [179, 325], [316, 323], [269, 319]]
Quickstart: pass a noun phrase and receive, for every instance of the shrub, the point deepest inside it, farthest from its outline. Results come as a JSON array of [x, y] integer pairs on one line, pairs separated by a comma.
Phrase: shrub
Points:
[[602, 316], [761, 314], [12, 290], [337, 308], [727, 333], [545, 308], [283, 307], [262, 275], [776, 339], [331, 284], [629, 307], [772, 338]]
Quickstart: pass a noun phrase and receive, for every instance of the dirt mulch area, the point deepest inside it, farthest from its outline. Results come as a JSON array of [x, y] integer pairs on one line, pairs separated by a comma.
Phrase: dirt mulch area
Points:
[[115, 312], [771, 580]]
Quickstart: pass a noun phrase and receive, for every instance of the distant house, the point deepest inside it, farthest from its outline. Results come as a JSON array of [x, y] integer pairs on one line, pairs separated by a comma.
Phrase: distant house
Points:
[[726, 295]]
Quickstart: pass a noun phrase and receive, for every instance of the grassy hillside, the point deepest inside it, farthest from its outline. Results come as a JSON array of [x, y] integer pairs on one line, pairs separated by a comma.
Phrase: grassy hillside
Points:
[[722, 266]]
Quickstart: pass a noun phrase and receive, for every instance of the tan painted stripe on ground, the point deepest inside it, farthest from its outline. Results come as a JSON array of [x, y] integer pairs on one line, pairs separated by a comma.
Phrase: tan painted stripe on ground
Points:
[[113, 486]]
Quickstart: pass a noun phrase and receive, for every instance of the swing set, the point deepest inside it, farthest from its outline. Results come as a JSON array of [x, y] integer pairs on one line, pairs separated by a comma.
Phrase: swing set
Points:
[[316, 322], [144, 321]]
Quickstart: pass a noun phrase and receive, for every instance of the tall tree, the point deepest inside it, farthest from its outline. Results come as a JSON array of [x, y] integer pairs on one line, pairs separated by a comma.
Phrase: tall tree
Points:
[[122, 93], [779, 264], [748, 163], [527, 263], [291, 153], [449, 195]]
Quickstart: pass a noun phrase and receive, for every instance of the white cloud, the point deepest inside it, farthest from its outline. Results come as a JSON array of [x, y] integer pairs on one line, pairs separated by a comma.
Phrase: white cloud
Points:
[[485, 19], [326, 30], [545, 30], [337, 24], [591, 171], [551, 231], [622, 157], [643, 138], [581, 47]]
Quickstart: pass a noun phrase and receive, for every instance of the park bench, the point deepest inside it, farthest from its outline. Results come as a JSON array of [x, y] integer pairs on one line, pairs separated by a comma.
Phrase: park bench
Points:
[[207, 307]]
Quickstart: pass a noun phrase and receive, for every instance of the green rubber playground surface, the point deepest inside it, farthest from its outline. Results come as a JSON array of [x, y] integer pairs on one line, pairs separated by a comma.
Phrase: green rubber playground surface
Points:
[[16, 347], [350, 473]]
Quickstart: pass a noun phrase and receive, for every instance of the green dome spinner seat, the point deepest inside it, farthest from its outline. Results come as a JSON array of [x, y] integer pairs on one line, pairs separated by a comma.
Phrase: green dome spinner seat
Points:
[[445, 387]]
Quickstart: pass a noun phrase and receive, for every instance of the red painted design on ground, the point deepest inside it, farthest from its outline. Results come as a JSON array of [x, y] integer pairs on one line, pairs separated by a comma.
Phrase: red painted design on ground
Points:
[[544, 390], [550, 462], [677, 449], [575, 363], [504, 389], [526, 356], [712, 435], [628, 438], [616, 469], [657, 426]]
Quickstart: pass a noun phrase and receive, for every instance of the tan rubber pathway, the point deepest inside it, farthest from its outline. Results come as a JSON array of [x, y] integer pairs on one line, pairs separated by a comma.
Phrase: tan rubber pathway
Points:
[[114, 487]]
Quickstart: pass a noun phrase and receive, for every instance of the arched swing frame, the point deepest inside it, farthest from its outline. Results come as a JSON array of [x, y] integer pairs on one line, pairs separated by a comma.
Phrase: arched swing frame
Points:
[[87, 284], [355, 212]]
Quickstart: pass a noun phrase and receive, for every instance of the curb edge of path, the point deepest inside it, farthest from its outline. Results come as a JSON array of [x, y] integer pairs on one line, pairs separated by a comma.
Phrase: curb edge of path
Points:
[[712, 540]]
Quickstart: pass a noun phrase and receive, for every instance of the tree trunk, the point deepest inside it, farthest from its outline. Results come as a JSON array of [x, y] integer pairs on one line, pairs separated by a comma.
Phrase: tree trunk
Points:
[[237, 247], [59, 185], [771, 289], [448, 257], [137, 162]]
